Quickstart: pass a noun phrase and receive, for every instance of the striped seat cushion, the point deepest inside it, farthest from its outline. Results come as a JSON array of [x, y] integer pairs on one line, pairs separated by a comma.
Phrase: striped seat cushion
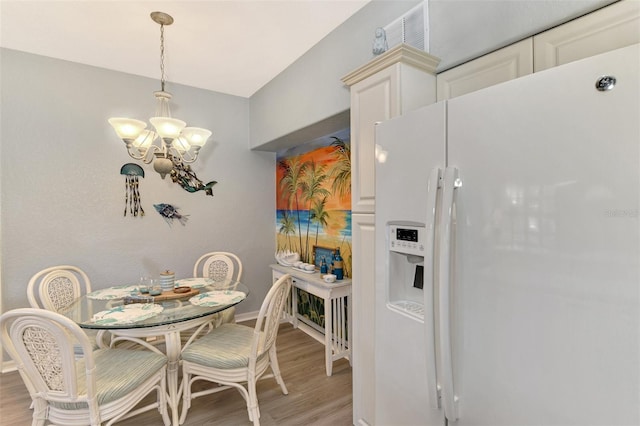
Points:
[[92, 335], [225, 347], [118, 372]]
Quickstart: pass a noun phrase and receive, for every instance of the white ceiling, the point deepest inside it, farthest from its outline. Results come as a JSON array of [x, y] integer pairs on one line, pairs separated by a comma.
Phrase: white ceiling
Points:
[[233, 47]]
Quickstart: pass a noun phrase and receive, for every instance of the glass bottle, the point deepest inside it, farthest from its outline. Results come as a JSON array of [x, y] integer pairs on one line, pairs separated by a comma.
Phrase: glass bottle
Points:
[[323, 266], [337, 265]]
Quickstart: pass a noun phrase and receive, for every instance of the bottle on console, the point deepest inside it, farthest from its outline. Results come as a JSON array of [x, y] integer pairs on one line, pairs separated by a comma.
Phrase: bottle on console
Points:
[[324, 269], [337, 265]]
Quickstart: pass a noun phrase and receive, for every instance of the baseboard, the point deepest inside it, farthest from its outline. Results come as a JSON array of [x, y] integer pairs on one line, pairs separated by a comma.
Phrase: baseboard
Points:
[[248, 316], [9, 366]]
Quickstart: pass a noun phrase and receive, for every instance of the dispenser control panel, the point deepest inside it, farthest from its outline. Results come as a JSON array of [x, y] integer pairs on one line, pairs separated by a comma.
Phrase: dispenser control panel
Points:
[[407, 239]]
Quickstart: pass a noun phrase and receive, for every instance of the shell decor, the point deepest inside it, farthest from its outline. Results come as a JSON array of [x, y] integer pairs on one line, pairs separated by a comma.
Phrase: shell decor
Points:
[[132, 173]]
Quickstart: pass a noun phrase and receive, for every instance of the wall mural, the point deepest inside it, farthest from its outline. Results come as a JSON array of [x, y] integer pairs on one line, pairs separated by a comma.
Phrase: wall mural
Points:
[[313, 202]]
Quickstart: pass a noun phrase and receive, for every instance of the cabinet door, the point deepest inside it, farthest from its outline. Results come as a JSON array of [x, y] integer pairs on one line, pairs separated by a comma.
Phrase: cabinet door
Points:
[[386, 94], [607, 29], [502, 65], [372, 100], [363, 302]]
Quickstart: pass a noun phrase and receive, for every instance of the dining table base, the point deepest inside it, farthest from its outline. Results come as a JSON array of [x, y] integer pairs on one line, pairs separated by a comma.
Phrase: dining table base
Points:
[[173, 349]]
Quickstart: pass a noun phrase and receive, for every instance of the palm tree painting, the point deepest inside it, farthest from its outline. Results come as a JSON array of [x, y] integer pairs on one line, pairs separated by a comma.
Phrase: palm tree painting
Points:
[[313, 191], [314, 197]]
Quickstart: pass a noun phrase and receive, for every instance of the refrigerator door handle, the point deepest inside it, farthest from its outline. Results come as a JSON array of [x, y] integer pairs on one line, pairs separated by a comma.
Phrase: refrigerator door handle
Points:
[[451, 183], [435, 182]]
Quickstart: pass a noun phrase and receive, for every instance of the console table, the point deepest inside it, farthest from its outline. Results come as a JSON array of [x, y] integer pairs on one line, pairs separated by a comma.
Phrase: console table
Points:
[[337, 312]]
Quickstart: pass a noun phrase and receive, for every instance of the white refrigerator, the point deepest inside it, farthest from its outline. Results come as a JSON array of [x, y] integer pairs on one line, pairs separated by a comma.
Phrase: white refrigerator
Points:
[[507, 253]]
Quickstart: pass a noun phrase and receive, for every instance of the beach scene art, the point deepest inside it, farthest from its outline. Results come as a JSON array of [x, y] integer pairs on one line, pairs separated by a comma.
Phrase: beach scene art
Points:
[[313, 190]]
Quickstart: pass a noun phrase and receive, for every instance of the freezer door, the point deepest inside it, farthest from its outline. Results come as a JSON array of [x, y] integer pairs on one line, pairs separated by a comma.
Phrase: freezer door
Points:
[[545, 315], [413, 147]]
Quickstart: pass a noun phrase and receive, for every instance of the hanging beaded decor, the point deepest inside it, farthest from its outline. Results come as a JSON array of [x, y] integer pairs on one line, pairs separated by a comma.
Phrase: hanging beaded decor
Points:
[[132, 194], [187, 179]]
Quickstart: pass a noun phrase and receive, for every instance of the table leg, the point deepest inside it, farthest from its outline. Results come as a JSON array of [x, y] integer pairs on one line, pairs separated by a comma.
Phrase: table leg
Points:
[[328, 336], [173, 345], [294, 307], [349, 329]]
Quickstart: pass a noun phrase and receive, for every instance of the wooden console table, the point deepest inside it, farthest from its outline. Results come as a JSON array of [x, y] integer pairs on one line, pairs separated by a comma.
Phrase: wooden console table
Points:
[[337, 312]]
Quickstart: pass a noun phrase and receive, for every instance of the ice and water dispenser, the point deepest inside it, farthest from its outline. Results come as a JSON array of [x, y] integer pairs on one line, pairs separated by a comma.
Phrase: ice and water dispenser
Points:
[[405, 272]]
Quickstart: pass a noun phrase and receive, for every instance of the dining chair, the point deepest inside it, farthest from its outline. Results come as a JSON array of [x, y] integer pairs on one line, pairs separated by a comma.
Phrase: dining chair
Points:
[[104, 385], [56, 287], [233, 355], [219, 266]]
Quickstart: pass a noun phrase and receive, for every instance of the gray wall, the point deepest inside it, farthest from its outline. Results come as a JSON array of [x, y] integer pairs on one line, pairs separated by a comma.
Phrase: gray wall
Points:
[[310, 90], [308, 98], [63, 196]]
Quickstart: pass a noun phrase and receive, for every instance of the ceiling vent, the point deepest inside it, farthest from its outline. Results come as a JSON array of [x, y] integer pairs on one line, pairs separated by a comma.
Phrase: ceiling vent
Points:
[[411, 28]]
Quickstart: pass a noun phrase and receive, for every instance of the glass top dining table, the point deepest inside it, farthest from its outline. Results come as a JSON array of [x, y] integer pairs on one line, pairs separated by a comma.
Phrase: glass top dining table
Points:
[[125, 308], [126, 314]]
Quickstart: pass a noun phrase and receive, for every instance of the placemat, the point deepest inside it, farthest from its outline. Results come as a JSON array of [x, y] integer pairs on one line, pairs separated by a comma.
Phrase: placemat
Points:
[[194, 282], [117, 292], [127, 314], [217, 297]]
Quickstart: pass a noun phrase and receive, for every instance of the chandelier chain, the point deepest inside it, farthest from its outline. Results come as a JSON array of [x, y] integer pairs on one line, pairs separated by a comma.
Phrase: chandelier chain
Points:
[[170, 141], [162, 57]]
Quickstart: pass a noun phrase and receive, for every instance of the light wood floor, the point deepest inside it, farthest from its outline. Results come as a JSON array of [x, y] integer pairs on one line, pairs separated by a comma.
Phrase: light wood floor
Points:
[[314, 398]]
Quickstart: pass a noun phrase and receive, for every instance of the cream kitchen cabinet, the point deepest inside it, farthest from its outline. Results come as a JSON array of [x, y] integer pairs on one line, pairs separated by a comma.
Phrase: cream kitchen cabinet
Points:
[[399, 80], [609, 28], [395, 82], [363, 302], [510, 62], [612, 27]]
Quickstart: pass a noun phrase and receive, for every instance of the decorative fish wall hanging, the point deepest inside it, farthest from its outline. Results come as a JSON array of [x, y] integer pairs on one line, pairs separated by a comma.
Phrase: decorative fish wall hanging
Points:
[[187, 179], [170, 213], [132, 200]]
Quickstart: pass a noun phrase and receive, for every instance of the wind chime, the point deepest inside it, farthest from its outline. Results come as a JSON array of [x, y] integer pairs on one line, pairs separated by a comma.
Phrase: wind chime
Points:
[[132, 173]]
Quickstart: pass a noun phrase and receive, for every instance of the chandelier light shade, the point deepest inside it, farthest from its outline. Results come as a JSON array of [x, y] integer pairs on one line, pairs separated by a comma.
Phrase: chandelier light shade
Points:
[[175, 141]]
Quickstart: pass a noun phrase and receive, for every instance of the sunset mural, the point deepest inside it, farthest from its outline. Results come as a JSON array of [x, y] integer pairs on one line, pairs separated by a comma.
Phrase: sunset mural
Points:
[[313, 197]]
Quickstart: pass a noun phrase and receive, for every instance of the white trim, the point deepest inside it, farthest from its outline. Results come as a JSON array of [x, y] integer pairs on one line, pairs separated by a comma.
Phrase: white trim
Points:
[[248, 316], [9, 366]]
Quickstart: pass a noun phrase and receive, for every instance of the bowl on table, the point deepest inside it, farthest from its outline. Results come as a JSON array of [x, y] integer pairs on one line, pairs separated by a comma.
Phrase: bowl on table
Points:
[[329, 278]]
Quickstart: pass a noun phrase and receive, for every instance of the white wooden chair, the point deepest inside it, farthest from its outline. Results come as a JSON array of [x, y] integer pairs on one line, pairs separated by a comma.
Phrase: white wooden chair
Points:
[[233, 354], [56, 287], [104, 385], [219, 266]]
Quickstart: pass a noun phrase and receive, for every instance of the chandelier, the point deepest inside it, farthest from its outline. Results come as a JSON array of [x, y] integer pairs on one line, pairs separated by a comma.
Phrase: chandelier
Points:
[[176, 142]]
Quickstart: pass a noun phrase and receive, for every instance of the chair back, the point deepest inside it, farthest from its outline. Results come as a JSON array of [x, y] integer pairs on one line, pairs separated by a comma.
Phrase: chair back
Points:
[[266, 328], [41, 343], [56, 287], [219, 266]]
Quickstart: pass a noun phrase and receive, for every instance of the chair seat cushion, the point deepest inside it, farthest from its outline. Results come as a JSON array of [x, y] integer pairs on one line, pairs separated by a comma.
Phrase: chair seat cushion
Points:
[[118, 372], [225, 347], [92, 335]]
